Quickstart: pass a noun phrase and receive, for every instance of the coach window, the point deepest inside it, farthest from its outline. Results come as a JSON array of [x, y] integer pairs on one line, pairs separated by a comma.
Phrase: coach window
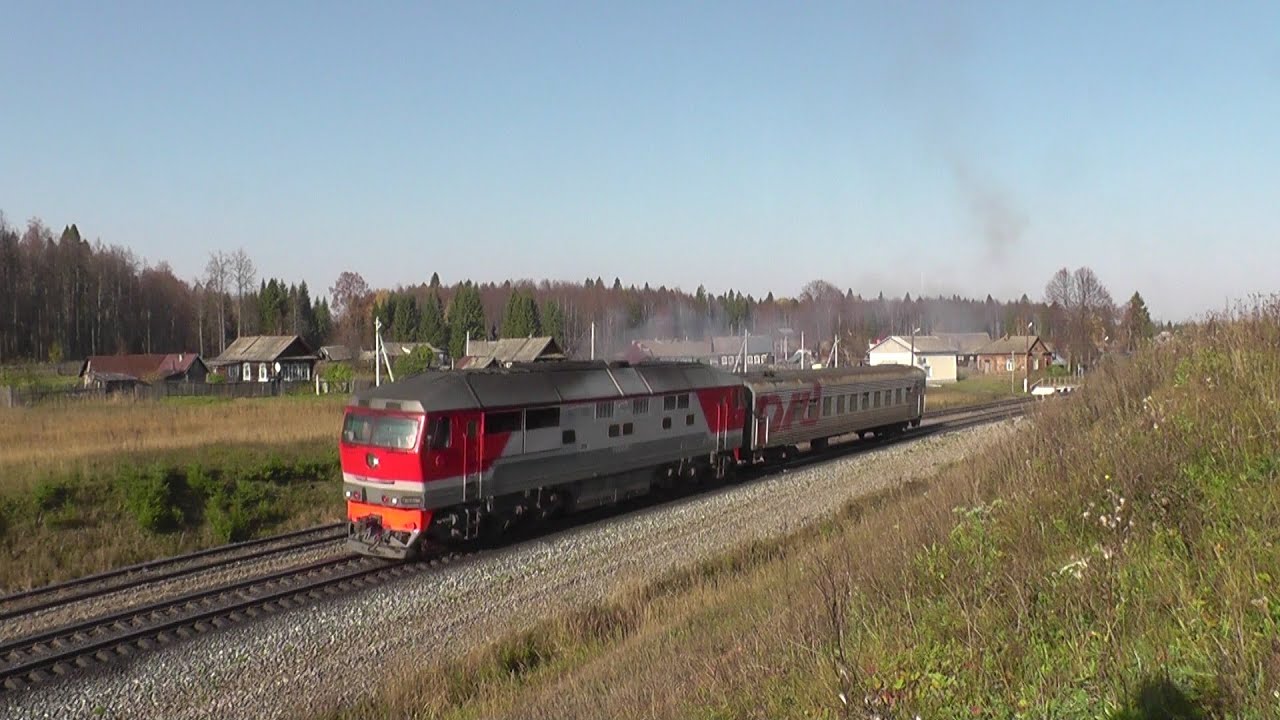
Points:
[[438, 433], [682, 401], [811, 411], [840, 405], [614, 431], [826, 407], [669, 402], [503, 422], [640, 406], [897, 396], [666, 423], [877, 399], [542, 418]]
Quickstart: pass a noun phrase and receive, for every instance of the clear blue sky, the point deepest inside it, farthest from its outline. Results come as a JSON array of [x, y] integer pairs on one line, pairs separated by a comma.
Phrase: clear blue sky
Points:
[[958, 147]]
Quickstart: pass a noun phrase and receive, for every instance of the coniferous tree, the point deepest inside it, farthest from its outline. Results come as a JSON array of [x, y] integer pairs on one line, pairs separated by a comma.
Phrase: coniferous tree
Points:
[[431, 325], [466, 315]]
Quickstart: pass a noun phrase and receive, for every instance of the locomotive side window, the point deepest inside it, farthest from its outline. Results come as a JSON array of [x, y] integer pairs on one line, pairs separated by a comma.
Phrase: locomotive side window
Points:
[[438, 433], [682, 401], [640, 406], [542, 418], [503, 422], [669, 402], [614, 431], [688, 419], [568, 437], [604, 410], [666, 423], [627, 428]]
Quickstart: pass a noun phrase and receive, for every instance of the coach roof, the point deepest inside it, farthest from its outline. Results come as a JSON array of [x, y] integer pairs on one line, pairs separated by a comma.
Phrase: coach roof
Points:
[[535, 384]]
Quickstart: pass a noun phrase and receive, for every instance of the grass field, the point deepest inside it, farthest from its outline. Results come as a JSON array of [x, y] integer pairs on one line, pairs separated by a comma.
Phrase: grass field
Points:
[[85, 436], [1116, 558], [973, 390], [98, 484]]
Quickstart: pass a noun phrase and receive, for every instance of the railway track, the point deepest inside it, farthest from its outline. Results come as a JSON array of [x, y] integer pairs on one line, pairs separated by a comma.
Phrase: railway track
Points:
[[109, 638], [134, 576]]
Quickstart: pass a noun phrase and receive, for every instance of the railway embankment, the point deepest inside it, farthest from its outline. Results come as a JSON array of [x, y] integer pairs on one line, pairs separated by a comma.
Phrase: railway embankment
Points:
[[303, 661], [1115, 558]]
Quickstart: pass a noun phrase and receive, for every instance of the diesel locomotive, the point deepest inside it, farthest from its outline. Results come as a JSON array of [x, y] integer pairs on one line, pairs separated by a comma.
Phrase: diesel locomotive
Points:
[[454, 456]]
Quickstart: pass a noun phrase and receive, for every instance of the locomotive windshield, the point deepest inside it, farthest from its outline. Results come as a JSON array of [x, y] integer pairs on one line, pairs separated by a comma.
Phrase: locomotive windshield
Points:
[[397, 433]]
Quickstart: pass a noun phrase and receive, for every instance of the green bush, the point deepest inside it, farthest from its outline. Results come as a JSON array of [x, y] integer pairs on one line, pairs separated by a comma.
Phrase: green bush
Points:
[[152, 495], [338, 373], [238, 512], [415, 363]]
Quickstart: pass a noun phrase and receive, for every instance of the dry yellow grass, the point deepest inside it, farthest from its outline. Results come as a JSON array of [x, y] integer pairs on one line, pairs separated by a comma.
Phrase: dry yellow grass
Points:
[[36, 441]]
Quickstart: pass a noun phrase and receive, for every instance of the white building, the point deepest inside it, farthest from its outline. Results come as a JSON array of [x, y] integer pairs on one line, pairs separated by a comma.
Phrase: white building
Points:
[[934, 355]]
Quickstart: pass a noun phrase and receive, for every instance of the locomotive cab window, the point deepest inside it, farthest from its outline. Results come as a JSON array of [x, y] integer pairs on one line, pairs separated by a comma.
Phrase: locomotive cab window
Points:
[[357, 429], [438, 433], [397, 433]]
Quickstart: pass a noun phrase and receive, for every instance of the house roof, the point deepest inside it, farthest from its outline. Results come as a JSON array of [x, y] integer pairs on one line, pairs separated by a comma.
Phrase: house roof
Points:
[[676, 349], [265, 348], [732, 344], [395, 349], [966, 343], [141, 367], [484, 353], [924, 345], [336, 353], [1017, 344]]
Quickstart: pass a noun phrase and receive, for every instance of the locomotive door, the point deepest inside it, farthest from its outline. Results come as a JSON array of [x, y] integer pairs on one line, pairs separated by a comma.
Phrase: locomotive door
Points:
[[472, 470]]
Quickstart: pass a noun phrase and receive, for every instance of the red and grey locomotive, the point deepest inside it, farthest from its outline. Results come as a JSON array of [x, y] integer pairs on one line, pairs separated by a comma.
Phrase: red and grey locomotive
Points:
[[450, 456]]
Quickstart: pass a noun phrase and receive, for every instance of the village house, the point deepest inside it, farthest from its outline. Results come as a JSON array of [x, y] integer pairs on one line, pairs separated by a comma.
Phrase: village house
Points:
[[266, 358], [933, 354], [500, 353], [1013, 353], [966, 345], [117, 372]]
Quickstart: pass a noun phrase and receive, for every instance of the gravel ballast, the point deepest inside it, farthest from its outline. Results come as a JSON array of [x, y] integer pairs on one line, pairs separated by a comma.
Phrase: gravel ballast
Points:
[[286, 664]]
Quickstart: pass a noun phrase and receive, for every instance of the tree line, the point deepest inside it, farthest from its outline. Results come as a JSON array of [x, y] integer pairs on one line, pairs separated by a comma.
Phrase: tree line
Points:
[[64, 297]]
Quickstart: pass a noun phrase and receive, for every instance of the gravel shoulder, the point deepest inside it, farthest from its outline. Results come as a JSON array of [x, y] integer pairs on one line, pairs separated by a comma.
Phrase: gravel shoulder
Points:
[[293, 662]]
